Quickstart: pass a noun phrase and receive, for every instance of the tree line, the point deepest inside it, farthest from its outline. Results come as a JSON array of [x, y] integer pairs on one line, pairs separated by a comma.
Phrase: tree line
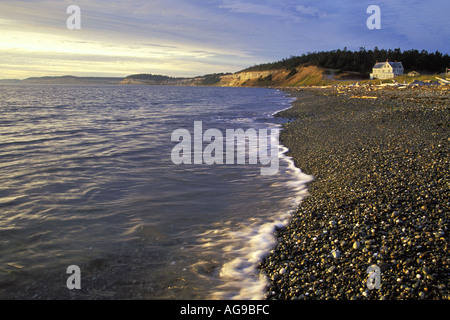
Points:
[[362, 61]]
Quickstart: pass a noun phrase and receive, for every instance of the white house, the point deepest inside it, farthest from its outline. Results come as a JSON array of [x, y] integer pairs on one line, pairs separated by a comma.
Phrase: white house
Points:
[[386, 70]]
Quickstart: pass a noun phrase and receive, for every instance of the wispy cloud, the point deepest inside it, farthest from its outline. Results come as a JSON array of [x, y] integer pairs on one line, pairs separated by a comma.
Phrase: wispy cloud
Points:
[[260, 9], [310, 11], [180, 37]]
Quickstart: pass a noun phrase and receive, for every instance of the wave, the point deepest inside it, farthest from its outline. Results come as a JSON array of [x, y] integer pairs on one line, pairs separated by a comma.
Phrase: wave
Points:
[[249, 244]]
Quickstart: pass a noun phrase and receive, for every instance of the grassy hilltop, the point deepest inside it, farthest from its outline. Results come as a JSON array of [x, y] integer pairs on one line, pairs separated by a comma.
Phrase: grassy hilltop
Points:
[[327, 67]]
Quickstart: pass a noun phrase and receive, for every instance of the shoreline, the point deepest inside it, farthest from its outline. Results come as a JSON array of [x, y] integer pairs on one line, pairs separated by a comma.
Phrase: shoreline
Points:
[[379, 197]]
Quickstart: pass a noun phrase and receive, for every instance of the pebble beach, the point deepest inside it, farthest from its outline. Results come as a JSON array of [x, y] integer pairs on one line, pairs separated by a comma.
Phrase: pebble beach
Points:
[[380, 196]]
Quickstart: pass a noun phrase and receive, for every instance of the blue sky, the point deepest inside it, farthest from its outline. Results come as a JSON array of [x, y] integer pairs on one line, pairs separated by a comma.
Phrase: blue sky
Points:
[[190, 38]]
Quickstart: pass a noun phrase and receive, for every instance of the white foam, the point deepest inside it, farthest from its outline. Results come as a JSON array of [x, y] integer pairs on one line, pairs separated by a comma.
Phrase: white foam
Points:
[[240, 276], [246, 245]]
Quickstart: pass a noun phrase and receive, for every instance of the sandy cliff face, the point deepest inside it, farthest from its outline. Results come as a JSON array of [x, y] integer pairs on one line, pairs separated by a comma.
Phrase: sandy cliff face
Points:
[[310, 75], [240, 78]]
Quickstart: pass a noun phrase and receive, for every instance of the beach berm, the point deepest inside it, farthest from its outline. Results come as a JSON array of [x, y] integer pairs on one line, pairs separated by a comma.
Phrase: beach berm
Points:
[[380, 195]]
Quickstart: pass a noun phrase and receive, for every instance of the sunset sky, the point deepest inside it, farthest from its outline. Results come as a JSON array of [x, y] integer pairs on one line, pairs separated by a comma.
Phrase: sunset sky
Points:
[[191, 38]]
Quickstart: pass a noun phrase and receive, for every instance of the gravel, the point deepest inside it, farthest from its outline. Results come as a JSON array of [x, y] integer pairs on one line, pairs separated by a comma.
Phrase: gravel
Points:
[[380, 196]]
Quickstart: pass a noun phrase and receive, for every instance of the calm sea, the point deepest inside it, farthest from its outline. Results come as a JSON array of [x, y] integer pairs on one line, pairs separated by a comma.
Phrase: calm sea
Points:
[[86, 179]]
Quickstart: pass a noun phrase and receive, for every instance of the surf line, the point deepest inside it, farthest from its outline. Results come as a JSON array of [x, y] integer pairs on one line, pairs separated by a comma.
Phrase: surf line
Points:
[[237, 142]]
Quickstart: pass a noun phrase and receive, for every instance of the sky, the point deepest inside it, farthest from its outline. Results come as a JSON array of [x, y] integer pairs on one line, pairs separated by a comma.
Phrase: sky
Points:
[[184, 38]]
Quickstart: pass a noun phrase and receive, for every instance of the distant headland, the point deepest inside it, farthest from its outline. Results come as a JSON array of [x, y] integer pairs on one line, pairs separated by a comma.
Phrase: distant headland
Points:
[[310, 69]]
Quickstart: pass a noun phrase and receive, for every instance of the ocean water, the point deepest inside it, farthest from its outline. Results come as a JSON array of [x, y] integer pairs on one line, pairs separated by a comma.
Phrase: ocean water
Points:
[[87, 179]]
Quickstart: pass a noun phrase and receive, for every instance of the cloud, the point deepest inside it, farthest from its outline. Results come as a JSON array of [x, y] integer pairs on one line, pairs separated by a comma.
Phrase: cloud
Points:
[[259, 9], [416, 24], [180, 37], [191, 46], [310, 11]]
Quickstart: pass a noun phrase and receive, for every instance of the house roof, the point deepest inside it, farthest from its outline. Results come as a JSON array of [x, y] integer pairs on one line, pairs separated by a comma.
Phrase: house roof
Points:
[[394, 65]]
